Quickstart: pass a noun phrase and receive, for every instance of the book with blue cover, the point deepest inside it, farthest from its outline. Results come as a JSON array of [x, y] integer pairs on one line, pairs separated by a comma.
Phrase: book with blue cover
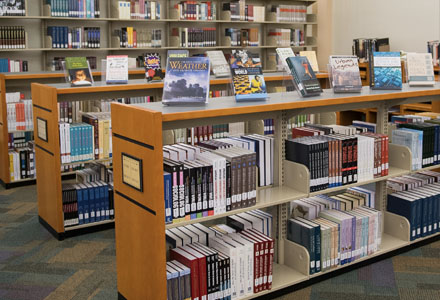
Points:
[[247, 76], [303, 76], [186, 80], [386, 71]]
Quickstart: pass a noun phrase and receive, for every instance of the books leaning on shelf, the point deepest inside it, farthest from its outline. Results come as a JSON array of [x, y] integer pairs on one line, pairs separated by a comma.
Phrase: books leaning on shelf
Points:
[[417, 198], [303, 76], [433, 49], [21, 156], [311, 56], [420, 70], [344, 74], [88, 201], [195, 37], [193, 10], [20, 115], [364, 48], [246, 37], [13, 37], [285, 37], [78, 71], [130, 37], [153, 69], [282, 55], [219, 175], [12, 8], [10, 65], [335, 237], [139, 9], [186, 80], [77, 37], [74, 8], [247, 76], [386, 71], [219, 249], [289, 13], [240, 11], [337, 155], [219, 65]]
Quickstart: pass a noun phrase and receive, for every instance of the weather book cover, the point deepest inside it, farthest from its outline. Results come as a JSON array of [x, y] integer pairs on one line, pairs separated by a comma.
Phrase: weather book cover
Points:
[[247, 76], [186, 80], [387, 71], [303, 76]]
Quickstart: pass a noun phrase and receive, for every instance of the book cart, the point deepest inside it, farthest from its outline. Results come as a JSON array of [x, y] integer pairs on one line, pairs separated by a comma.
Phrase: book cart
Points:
[[137, 145], [39, 51]]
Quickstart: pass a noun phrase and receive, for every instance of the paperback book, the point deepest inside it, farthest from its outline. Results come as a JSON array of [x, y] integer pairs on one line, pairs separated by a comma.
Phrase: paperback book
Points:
[[186, 80], [283, 54], [219, 65], [311, 56], [77, 71], [117, 69], [344, 74], [303, 76], [386, 71], [420, 69], [247, 76], [153, 70], [178, 53]]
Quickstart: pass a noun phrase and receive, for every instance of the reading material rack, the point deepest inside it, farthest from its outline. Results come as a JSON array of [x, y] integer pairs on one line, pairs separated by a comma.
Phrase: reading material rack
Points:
[[137, 144], [38, 17]]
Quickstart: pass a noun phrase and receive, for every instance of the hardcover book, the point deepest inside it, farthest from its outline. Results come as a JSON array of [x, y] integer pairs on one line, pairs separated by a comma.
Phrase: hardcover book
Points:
[[344, 74], [420, 69], [153, 70], [311, 56], [219, 65], [78, 71], [283, 54], [178, 53], [186, 80], [247, 76], [386, 72], [303, 76]]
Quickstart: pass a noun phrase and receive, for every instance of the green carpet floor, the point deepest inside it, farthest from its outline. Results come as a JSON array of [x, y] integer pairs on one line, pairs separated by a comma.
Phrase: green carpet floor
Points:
[[34, 265]]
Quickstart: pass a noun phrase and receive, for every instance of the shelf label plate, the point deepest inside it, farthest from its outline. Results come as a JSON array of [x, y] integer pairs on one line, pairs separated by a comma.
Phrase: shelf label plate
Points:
[[132, 171]]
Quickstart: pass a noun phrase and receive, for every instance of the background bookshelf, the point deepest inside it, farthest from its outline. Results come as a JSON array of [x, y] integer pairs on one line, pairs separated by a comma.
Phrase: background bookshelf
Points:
[[138, 210], [39, 52]]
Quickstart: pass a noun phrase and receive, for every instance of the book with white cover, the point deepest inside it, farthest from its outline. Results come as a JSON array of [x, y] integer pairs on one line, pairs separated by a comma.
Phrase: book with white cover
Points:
[[311, 56], [219, 65], [420, 69], [283, 54]]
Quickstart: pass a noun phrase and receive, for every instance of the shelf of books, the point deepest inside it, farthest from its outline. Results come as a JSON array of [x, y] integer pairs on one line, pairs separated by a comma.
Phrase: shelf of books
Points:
[[47, 31], [284, 192]]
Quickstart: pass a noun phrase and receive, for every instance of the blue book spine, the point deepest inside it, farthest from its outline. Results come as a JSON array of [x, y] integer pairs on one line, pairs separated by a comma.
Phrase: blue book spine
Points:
[[430, 214], [425, 213], [98, 208], [435, 214], [168, 194], [318, 249], [85, 194], [438, 213], [106, 201], [407, 209], [84, 140], [419, 206], [101, 188], [92, 204], [66, 37], [80, 205]]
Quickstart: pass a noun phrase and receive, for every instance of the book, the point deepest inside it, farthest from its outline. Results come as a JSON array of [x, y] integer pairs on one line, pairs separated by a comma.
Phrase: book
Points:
[[78, 71], [13, 8], [344, 74], [116, 69], [303, 76], [386, 71], [77, 37], [219, 65], [433, 48], [311, 56], [283, 54], [420, 70], [186, 80], [153, 69], [247, 76], [363, 48], [178, 53]]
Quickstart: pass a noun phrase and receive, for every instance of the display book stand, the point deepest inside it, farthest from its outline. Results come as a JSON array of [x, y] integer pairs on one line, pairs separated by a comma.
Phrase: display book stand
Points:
[[138, 136]]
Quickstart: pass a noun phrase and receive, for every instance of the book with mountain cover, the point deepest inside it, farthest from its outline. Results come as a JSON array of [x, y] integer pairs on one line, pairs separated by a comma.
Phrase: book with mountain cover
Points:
[[77, 71], [303, 76], [247, 76], [153, 70], [386, 71], [420, 69], [186, 80], [344, 73]]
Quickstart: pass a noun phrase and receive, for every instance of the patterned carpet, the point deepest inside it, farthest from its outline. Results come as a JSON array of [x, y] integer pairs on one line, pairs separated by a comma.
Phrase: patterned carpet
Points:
[[34, 265]]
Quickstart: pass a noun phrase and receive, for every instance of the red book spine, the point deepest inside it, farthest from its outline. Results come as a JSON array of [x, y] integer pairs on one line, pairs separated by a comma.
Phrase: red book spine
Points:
[[194, 266], [210, 132], [387, 164]]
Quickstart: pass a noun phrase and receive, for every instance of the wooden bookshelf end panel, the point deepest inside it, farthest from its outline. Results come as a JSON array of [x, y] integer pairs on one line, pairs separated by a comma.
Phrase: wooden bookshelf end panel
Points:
[[139, 206]]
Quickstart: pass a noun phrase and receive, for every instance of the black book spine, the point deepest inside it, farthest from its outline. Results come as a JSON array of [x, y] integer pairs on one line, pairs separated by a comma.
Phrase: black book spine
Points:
[[228, 186]]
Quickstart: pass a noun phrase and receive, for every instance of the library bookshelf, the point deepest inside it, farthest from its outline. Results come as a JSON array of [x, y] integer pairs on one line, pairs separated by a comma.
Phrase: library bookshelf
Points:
[[40, 54], [138, 132], [21, 82]]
